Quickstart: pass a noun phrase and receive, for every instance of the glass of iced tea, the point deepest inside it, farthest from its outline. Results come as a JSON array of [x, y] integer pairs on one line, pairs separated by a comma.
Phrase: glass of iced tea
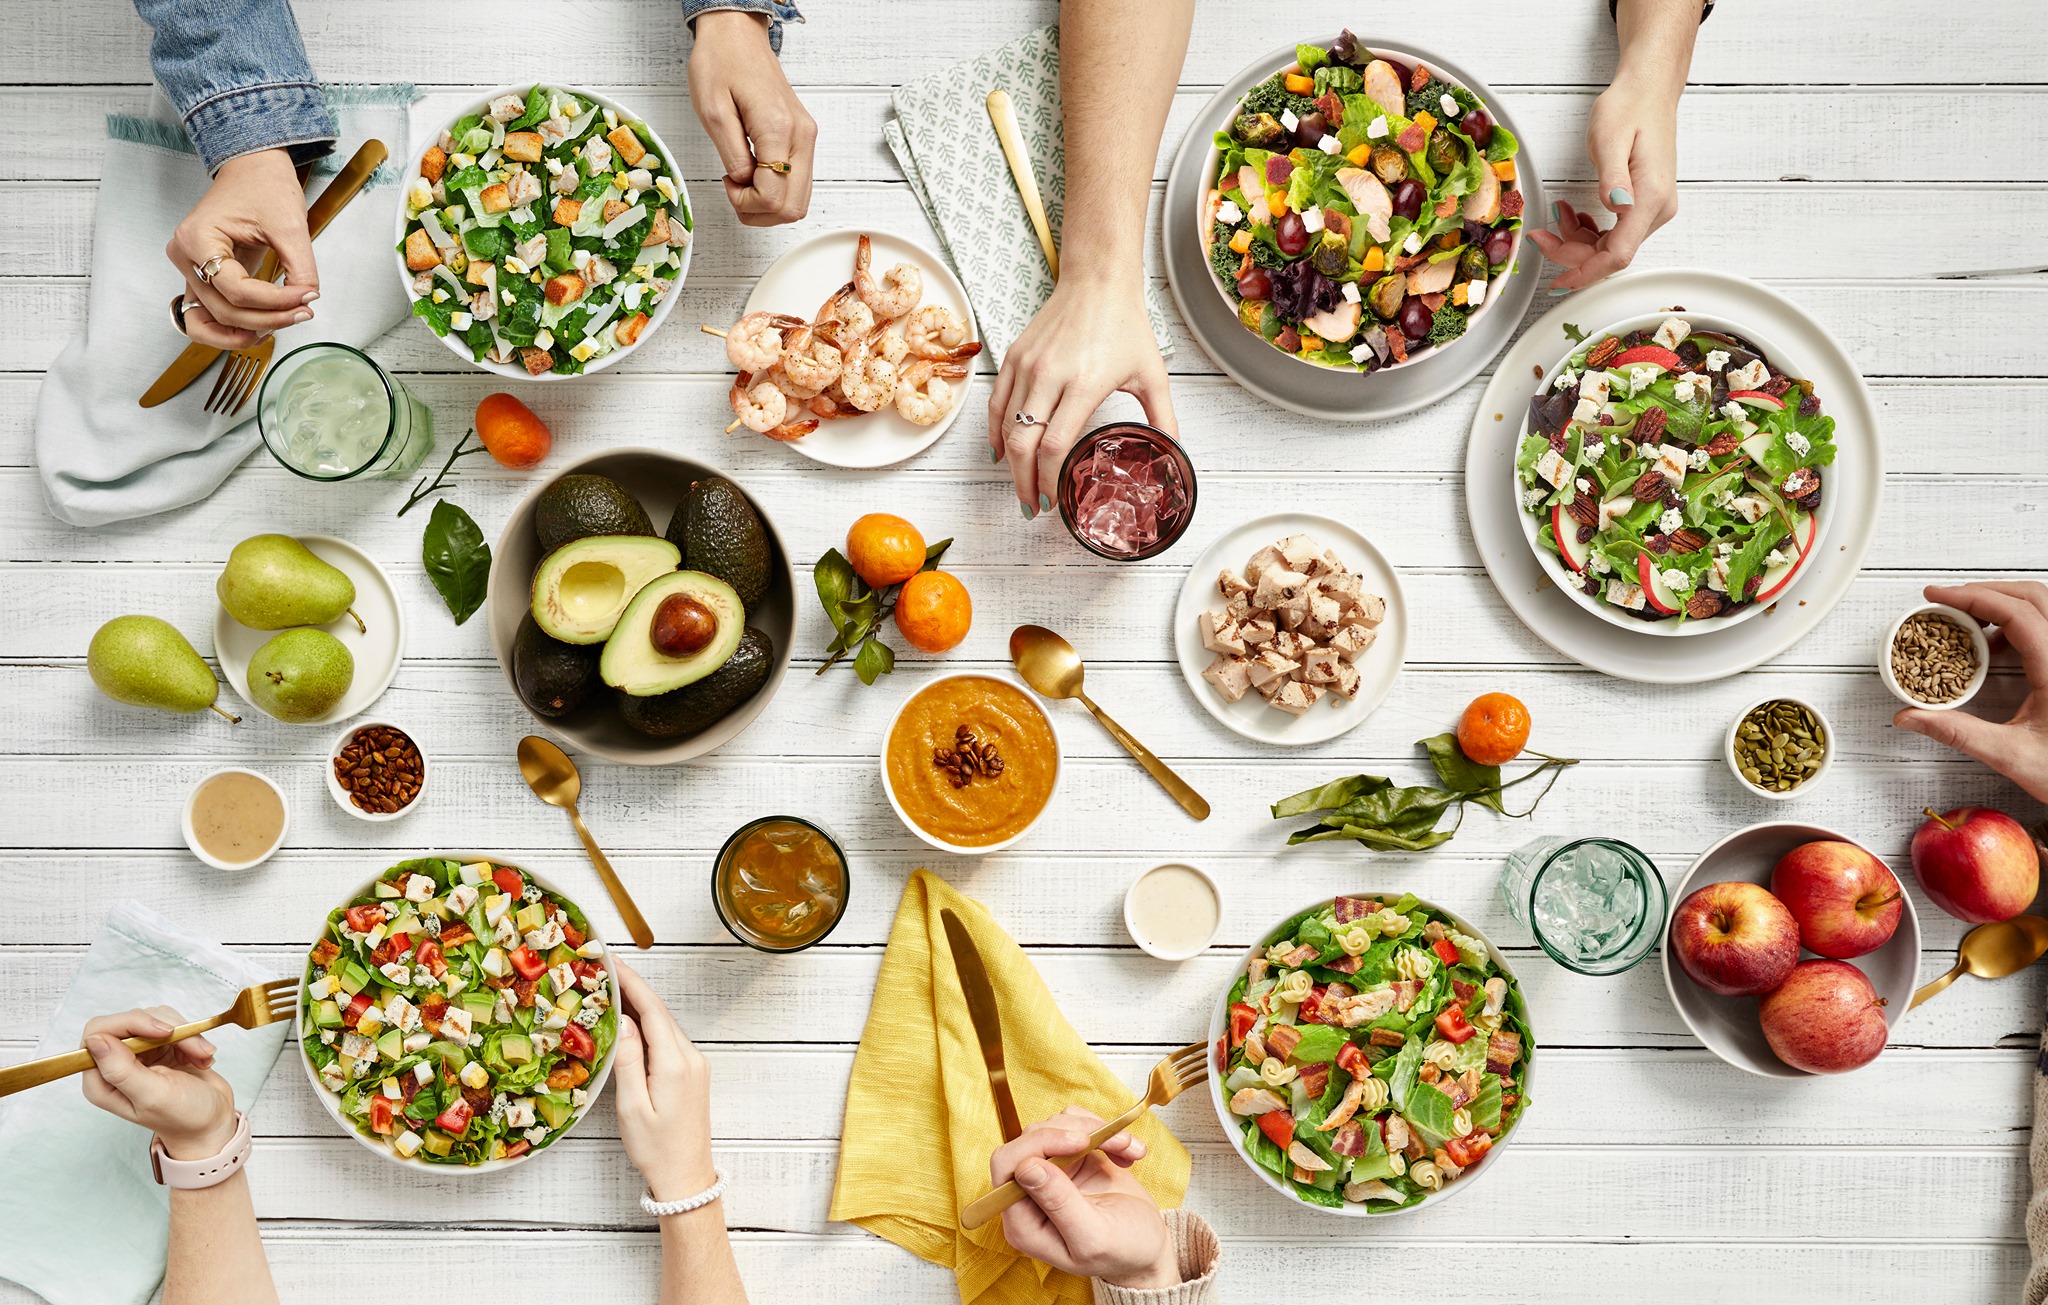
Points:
[[780, 883], [1127, 491]]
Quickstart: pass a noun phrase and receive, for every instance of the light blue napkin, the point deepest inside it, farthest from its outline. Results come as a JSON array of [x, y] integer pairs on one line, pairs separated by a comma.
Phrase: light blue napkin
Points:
[[101, 457], [85, 1222]]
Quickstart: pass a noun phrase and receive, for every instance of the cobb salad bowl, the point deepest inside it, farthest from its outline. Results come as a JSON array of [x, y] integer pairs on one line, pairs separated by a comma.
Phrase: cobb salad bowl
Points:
[[1358, 206], [1396, 1148], [538, 1081], [579, 223], [1671, 472]]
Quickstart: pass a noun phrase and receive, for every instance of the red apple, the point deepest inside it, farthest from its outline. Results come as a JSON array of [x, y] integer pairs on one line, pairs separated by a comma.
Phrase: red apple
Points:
[[1845, 900], [1977, 864], [1825, 1018], [1735, 939]]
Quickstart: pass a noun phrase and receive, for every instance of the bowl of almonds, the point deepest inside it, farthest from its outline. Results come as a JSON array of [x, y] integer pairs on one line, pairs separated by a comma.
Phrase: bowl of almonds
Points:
[[376, 772], [1780, 747], [1935, 657]]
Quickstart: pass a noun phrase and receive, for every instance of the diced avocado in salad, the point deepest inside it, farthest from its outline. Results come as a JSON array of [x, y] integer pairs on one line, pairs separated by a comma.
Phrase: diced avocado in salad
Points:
[[458, 1012], [1676, 473], [1375, 1053], [543, 231], [1362, 209]]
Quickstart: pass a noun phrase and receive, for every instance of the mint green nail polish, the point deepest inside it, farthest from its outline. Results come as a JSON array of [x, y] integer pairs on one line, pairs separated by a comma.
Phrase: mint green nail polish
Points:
[[1045, 502], [1619, 197], [1028, 511], [1555, 293], [1557, 210]]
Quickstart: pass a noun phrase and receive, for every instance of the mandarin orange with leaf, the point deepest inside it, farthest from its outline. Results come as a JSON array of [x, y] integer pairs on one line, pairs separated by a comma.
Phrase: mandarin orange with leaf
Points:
[[884, 550], [1494, 729]]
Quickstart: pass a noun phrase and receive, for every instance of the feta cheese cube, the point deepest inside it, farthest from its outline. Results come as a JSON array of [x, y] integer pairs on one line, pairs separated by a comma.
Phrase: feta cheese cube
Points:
[[1448, 105], [1595, 450], [1377, 128], [1413, 244], [1564, 380], [1289, 120], [1361, 352], [1228, 213], [1640, 379], [474, 1075], [1798, 443], [1349, 292], [1312, 219], [1330, 144], [537, 1134], [1732, 410], [1676, 580], [408, 1143], [418, 888], [1475, 294], [578, 1098], [1673, 332], [1553, 468], [1623, 594]]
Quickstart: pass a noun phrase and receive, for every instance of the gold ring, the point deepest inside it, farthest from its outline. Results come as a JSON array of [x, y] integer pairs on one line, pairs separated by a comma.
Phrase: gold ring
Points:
[[778, 166], [210, 270]]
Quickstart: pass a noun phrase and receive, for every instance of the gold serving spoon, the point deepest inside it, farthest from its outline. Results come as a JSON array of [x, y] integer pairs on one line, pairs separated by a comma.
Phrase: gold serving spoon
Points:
[[1050, 665], [555, 781], [1993, 951]]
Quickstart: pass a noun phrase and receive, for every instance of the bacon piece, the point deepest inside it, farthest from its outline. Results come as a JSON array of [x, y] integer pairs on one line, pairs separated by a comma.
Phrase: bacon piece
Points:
[[1315, 1078], [1349, 1139], [1463, 990], [1282, 1039], [1412, 137], [1511, 202], [324, 952], [1345, 964], [1405, 993], [1503, 1049], [1354, 908], [1386, 1038]]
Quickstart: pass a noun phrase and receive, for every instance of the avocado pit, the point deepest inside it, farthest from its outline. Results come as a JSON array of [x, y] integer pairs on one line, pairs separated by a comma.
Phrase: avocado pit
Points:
[[683, 626]]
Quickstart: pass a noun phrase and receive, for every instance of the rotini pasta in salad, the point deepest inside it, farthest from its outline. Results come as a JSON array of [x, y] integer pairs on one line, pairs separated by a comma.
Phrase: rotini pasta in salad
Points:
[[1374, 1053]]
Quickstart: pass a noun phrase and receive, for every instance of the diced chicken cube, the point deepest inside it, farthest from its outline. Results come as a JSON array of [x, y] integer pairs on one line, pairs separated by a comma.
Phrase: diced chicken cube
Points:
[[1320, 666], [1324, 615], [1672, 462], [1238, 607], [1347, 681], [1231, 675], [1352, 640], [505, 108], [1219, 633], [522, 188], [1623, 594], [1368, 611], [1343, 586], [1290, 618], [1230, 584], [1258, 630], [1279, 586], [1268, 667], [1334, 564], [1293, 698], [1302, 554], [1262, 561], [1553, 468], [1290, 645]]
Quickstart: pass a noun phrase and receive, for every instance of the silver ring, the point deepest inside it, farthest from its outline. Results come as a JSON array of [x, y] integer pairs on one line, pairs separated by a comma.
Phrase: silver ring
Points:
[[210, 270], [1023, 419], [180, 306]]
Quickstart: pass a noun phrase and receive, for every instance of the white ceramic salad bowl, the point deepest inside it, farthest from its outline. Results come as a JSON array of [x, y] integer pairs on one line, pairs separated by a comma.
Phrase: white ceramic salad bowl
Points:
[[1568, 582], [329, 1100], [410, 172], [1219, 1028]]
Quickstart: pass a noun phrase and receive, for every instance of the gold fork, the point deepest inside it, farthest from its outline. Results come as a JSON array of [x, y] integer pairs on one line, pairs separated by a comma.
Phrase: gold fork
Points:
[[244, 367], [1170, 1077], [255, 1006]]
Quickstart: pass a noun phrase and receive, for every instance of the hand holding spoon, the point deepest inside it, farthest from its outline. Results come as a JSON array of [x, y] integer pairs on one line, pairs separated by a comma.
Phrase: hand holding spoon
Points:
[[1992, 951], [555, 781], [1050, 665]]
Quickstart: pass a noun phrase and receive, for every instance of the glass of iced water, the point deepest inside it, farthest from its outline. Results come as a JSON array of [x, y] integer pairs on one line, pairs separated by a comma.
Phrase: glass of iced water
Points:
[[1595, 904], [330, 413]]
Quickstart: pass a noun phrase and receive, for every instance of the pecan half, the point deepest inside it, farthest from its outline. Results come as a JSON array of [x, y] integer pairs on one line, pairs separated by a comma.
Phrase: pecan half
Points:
[[1688, 540], [1650, 426], [1703, 604], [1803, 488], [1604, 352], [1726, 442], [1649, 487], [1584, 510]]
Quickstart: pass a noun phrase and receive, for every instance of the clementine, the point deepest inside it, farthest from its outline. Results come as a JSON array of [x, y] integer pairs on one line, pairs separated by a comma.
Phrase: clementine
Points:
[[933, 611], [514, 436], [1494, 729], [884, 550]]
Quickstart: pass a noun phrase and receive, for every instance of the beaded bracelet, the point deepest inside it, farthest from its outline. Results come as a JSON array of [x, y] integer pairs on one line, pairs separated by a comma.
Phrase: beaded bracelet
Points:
[[659, 1209]]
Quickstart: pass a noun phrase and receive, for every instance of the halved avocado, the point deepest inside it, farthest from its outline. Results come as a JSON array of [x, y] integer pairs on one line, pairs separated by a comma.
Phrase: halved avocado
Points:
[[582, 588], [632, 660], [697, 707]]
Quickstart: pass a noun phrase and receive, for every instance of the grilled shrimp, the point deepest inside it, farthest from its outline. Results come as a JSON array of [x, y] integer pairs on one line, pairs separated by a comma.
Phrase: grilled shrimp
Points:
[[811, 360], [755, 341], [759, 406], [868, 380], [934, 331], [895, 294], [922, 395]]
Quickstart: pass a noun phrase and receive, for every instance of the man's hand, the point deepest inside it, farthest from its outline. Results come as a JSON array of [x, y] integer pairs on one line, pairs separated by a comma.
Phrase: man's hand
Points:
[[2017, 749], [255, 203], [1094, 1219], [172, 1091], [753, 118]]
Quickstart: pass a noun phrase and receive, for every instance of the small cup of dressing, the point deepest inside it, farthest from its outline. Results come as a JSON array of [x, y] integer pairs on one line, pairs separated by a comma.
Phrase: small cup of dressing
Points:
[[235, 819], [1173, 911]]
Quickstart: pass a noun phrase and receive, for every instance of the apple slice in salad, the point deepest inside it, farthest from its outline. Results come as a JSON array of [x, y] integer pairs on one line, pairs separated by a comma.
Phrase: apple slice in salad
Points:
[[1779, 574]]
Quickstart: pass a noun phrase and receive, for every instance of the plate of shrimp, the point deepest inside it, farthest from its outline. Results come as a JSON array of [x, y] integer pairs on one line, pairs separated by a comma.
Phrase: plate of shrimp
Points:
[[856, 349]]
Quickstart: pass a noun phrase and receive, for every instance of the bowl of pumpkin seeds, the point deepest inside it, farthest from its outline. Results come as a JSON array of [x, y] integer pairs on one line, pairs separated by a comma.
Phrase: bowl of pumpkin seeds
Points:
[[1780, 747]]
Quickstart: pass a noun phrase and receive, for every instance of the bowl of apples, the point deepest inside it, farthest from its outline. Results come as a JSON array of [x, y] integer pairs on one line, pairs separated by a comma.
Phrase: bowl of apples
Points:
[[1792, 951]]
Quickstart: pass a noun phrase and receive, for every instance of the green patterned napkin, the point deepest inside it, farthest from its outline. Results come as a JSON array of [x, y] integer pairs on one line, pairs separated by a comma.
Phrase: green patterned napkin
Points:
[[943, 140]]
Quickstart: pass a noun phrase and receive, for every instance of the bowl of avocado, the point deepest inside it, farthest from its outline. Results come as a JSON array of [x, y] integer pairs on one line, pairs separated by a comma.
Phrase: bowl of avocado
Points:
[[636, 646]]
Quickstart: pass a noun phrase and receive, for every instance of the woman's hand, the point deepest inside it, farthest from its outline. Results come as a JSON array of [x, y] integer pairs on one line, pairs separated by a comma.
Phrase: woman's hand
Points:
[[172, 1091], [2017, 749], [1094, 1219], [1092, 338], [749, 111], [1632, 140], [255, 203], [662, 1085]]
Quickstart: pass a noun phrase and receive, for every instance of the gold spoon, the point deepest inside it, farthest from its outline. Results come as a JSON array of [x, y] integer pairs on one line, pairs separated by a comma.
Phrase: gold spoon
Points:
[[1050, 665], [1992, 951], [554, 780]]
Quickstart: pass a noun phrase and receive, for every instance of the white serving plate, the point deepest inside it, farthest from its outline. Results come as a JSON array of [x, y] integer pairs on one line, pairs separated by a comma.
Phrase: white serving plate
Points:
[[329, 1101], [410, 171], [1233, 1127], [1728, 1026], [1250, 715], [1855, 482], [1286, 381], [801, 281], [378, 649]]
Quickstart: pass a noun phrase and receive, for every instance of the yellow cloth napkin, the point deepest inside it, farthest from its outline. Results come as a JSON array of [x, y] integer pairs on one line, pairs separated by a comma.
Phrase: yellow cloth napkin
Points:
[[920, 1122]]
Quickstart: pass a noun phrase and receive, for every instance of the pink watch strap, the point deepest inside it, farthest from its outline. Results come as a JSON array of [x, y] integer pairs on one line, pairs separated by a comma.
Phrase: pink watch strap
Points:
[[193, 1174]]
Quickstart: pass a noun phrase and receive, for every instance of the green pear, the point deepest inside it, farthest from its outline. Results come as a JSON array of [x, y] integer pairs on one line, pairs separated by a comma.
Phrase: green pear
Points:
[[145, 662], [299, 675], [274, 582]]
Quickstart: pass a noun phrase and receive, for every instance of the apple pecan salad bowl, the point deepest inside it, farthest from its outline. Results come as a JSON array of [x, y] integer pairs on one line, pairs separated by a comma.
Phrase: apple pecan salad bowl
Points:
[[1671, 474]]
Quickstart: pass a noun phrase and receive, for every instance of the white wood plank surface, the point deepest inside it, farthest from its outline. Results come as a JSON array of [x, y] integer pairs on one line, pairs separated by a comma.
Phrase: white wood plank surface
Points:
[[1853, 170]]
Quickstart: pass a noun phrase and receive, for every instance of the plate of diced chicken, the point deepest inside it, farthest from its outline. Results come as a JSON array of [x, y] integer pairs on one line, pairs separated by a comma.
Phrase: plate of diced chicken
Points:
[[1291, 628]]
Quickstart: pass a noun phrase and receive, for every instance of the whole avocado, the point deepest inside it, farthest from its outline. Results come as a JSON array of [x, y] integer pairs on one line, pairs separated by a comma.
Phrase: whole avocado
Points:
[[695, 708], [553, 678], [721, 535], [581, 504]]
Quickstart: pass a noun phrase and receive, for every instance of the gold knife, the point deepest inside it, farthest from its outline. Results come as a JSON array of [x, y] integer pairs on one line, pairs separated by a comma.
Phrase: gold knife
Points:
[[1004, 115], [191, 364], [988, 1023]]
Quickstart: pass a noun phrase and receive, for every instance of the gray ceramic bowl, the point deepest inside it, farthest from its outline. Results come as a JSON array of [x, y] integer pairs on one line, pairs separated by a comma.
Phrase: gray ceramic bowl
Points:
[[658, 480]]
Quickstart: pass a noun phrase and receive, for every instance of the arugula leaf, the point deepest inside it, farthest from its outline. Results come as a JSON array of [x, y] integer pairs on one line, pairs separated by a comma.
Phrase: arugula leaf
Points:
[[457, 559], [1572, 330]]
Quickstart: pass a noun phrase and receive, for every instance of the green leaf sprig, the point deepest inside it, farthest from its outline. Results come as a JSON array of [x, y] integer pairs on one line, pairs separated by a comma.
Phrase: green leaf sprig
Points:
[[1574, 332], [857, 612], [1369, 809], [423, 490], [457, 559]]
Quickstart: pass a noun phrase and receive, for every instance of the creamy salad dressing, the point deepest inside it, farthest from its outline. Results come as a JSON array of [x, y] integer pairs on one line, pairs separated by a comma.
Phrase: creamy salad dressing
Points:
[[1174, 908], [237, 816]]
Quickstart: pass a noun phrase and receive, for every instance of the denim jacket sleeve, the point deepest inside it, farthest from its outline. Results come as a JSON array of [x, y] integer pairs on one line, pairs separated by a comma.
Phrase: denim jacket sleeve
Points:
[[778, 12], [237, 74]]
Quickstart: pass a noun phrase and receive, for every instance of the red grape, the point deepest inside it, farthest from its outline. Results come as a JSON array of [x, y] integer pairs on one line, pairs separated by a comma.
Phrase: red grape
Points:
[[1254, 283], [1500, 242], [1478, 124], [1408, 197], [1415, 318], [1401, 71], [1292, 233], [1309, 131]]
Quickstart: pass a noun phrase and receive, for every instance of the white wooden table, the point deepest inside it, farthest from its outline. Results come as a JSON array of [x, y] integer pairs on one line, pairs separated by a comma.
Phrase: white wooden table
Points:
[[1848, 159]]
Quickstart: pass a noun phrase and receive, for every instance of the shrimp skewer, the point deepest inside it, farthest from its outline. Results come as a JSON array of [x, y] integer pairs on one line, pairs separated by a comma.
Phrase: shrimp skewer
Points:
[[755, 341], [895, 294]]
